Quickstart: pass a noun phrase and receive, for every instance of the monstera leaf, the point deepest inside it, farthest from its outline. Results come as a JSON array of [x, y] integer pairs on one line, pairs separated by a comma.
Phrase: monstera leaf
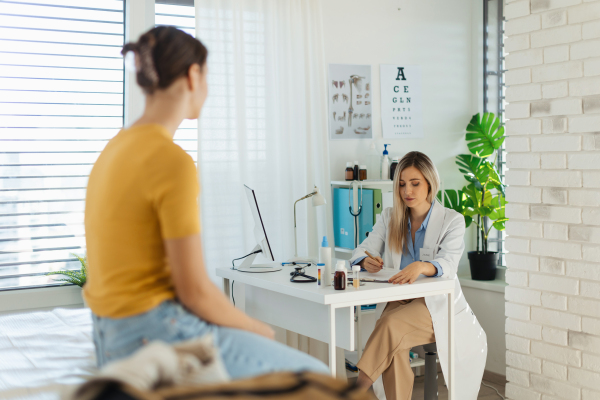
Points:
[[484, 135], [471, 167], [453, 199], [488, 170], [481, 203], [498, 215]]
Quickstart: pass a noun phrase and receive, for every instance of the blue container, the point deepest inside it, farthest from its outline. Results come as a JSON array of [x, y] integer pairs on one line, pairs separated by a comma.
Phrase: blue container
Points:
[[343, 221]]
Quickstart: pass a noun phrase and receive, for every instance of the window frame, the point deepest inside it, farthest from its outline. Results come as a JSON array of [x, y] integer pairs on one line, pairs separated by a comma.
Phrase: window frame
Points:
[[498, 96]]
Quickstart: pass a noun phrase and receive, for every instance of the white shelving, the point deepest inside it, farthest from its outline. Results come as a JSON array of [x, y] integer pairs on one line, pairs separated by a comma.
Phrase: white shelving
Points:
[[366, 184], [497, 285], [343, 250]]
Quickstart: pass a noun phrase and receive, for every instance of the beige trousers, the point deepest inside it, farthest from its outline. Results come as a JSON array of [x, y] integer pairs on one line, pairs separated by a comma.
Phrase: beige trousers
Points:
[[402, 326]]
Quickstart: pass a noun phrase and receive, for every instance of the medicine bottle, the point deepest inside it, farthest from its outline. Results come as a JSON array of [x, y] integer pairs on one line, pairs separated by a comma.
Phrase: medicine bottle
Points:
[[362, 173], [339, 279], [355, 170], [349, 171], [356, 276]]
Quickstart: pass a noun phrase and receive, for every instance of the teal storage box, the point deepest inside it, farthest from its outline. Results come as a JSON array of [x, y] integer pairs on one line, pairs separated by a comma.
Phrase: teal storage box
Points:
[[343, 221]]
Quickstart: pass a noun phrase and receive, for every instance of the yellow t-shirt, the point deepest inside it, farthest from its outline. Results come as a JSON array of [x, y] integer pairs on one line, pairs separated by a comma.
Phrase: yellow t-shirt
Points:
[[143, 189]]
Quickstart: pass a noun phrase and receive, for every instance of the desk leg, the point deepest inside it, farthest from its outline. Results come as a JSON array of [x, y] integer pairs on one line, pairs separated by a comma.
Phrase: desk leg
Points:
[[358, 331], [451, 347], [332, 348], [226, 289]]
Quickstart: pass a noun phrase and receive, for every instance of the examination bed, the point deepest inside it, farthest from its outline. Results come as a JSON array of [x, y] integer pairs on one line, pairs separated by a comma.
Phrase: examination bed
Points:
[[43, 352]]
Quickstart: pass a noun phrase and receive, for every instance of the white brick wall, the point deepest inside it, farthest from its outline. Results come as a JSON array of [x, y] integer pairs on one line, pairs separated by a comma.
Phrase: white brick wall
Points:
[[553, 237]]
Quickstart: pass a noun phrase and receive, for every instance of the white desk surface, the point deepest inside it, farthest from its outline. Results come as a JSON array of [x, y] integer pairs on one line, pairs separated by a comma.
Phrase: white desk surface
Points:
[[368, 294]]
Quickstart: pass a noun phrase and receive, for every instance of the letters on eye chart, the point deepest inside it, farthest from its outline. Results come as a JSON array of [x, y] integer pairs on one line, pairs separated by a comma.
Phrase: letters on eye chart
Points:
[[401, 101]]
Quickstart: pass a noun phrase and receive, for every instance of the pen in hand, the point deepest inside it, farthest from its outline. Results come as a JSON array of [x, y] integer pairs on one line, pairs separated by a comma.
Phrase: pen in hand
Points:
[[372, 264]]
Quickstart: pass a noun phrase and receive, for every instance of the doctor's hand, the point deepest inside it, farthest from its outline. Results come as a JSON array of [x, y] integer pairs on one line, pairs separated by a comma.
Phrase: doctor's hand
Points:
[[371, 265], [410, 273]]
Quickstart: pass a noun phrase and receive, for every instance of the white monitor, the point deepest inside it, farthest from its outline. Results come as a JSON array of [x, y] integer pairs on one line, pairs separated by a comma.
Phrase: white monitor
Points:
[[260, 235]]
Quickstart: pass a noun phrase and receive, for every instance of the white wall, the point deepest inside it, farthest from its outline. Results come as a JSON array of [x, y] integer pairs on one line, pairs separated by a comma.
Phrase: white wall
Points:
[[440, 36], [553, 307]]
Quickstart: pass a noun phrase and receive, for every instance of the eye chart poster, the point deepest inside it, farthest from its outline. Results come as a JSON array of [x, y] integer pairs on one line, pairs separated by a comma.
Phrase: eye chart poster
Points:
[[401, 106], [350, 97]]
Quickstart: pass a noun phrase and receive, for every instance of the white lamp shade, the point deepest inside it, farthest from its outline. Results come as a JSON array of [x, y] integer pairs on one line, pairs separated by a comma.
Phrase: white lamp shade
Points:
[[318, 199]]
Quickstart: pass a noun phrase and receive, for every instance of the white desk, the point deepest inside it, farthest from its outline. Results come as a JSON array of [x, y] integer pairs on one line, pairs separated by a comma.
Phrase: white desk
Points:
[[308, 309]]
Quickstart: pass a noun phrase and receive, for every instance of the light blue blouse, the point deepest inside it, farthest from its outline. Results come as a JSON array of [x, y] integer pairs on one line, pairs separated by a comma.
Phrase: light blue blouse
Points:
[[415, 248]]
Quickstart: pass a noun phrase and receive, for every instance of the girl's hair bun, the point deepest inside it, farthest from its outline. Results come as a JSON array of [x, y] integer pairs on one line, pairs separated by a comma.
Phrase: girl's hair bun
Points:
[[164, 54]]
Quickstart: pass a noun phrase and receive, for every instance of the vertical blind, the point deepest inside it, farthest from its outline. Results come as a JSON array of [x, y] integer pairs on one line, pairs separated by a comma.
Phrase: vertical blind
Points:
[[61, 100]]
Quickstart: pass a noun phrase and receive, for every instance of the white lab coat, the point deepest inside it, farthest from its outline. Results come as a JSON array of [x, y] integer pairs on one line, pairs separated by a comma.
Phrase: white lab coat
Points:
[[445, 235]]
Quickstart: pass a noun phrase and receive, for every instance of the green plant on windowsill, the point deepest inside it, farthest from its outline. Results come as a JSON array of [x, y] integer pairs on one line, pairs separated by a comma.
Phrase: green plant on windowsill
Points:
[[482, 201], [75, 277]]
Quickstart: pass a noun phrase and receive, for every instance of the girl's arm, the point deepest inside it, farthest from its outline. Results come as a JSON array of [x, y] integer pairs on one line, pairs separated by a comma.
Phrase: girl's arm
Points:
[[199, 294]]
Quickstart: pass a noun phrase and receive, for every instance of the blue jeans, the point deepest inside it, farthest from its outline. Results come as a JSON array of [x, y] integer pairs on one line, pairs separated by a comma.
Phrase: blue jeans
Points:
[[244, 354]]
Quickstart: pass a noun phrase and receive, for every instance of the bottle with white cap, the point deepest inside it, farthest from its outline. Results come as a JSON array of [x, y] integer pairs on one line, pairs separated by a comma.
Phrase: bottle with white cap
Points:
[[325, 257], [346, 272], [339, 279], [355, 276]]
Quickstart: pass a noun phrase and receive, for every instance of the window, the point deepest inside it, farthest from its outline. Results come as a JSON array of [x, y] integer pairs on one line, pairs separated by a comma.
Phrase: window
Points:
[[61, 100], [493, 91]]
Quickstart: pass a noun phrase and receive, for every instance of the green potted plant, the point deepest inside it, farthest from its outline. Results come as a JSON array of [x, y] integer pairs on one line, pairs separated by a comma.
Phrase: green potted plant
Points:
[[482, 201], [74, 277]]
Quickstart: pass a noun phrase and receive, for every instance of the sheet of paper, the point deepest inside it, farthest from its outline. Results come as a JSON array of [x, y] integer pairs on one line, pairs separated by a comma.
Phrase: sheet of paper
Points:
[[384, 274]]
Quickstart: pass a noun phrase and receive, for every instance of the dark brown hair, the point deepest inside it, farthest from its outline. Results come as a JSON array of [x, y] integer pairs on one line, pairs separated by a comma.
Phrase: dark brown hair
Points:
[[164, 54]]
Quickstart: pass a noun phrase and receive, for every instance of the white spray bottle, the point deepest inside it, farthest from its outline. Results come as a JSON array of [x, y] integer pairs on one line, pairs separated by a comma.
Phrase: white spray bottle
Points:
[[325, 258]]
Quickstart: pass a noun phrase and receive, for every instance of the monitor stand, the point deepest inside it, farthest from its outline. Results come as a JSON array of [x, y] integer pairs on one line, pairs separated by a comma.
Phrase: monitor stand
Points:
[[247, 265]]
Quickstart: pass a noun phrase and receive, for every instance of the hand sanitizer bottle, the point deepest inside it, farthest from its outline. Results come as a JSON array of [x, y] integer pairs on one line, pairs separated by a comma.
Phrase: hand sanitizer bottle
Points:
[[385, 164]]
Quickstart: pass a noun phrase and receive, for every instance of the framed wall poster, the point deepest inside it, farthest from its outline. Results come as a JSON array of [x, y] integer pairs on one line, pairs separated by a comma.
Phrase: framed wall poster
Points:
[[350, 97], [401, 105]]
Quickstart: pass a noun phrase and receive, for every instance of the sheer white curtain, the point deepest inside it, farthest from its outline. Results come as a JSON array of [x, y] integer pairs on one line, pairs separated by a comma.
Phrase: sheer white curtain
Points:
[[264, 125]]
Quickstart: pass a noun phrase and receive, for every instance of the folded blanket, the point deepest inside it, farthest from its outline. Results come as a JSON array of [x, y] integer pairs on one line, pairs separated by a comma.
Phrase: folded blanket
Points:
[[158, 365]]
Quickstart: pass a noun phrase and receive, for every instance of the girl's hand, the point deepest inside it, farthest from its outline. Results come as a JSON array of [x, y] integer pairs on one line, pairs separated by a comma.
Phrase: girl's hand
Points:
[[408, 274], [262, 329], [371, 265]]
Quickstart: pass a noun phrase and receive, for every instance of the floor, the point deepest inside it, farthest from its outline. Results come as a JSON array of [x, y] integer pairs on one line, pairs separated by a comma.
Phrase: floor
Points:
[[485, 393]]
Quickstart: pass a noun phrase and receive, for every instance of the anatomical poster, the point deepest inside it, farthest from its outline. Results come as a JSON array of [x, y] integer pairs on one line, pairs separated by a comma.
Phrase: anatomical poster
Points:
[[401, 106], [350, 97]]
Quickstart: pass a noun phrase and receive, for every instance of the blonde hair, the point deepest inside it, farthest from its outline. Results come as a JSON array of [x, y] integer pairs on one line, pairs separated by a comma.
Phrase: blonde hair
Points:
[[398, 236]]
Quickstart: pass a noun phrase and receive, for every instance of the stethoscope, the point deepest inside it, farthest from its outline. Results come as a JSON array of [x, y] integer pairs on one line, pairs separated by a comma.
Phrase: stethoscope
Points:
[[299, 276], [355, 214]]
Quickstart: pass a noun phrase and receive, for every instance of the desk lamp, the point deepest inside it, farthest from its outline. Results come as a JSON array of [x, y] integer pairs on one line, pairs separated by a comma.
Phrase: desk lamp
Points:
[[317, 200]]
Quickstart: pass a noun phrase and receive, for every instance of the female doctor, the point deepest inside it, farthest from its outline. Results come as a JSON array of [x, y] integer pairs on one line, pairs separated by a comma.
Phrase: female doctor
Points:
[[418, 236]]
